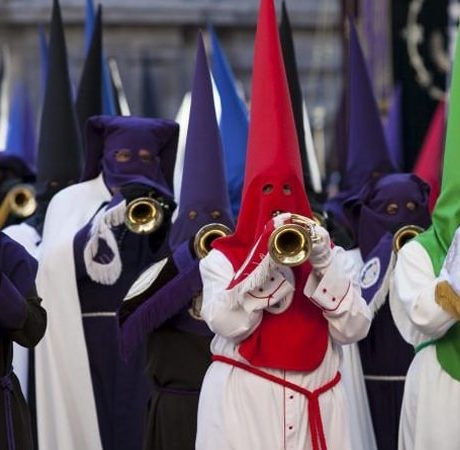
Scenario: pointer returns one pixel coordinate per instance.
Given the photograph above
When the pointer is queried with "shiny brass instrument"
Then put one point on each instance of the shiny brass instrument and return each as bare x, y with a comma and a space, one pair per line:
144, 215
291, 244
19, 201
404, 234
206, 235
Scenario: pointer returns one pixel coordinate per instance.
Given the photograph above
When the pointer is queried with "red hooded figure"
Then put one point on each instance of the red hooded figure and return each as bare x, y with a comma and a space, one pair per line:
274, 360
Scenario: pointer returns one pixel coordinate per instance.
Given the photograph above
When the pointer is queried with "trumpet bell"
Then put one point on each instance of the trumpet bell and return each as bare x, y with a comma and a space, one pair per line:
205, 237
405, 234
22, 201
144, 215
290, 244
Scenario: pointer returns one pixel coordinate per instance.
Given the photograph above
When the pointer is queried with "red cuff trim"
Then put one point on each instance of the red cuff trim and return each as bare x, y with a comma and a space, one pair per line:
334, 299
268, 295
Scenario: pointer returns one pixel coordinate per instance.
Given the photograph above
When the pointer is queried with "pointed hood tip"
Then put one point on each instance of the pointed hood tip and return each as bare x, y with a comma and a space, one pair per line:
365, 130
203, 186
273, 177
234, 121
58, 127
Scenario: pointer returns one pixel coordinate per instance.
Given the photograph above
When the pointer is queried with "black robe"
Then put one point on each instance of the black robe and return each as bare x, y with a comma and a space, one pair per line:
178, 345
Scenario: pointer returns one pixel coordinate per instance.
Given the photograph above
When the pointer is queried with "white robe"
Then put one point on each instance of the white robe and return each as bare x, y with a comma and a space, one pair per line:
28, 237
431, 403
66, 409
240, 411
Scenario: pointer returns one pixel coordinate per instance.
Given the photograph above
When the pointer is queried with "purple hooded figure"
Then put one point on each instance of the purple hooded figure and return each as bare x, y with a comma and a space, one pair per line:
87, 242
380, 210
22, 320
367, 153
376, 202
165, 302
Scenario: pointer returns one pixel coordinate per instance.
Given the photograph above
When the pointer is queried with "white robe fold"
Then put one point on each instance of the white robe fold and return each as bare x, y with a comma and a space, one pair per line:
431, 400
66, 409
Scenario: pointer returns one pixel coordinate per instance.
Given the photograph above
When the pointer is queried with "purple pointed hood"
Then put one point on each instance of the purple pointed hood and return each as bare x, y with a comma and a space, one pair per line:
367, 148
393, 131
204, 196
367, 154
131, 150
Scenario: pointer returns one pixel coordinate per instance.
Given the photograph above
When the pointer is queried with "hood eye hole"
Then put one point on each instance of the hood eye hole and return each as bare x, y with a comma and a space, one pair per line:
192, 215
392, 208
145, 155
267, 189
287, 190
123, 155
215, 214
411, 206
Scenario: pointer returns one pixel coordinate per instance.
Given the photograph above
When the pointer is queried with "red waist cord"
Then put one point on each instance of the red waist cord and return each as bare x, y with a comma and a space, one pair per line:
318, 439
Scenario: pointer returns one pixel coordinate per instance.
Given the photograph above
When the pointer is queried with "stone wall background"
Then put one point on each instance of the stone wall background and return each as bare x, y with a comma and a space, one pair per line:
164, 33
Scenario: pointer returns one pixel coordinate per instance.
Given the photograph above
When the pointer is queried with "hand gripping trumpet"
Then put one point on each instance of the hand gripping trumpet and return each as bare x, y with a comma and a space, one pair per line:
291, 244
206, 235
144, 215
404, 234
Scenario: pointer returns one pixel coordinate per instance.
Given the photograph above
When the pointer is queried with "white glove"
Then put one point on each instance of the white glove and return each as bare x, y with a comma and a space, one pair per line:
451, 268
321, 252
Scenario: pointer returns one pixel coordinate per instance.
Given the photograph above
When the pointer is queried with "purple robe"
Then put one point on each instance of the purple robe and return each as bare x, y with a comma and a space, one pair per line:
121, 389
22, 320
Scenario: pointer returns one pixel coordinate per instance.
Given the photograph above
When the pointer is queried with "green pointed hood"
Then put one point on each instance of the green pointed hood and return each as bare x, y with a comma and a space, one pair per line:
446, 217
446, 214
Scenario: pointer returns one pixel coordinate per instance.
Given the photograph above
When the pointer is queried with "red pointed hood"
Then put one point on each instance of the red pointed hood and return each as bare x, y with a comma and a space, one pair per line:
273, 177
428, 165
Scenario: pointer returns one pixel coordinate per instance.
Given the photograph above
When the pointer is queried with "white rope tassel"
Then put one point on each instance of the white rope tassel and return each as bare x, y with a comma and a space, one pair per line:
103, 222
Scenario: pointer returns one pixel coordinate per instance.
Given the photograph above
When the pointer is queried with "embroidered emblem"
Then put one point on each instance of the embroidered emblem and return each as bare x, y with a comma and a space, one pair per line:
370, 273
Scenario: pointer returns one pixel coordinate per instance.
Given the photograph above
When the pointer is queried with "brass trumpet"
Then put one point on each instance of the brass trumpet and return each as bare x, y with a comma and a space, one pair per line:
19, 201
405, 234
144, 215
291, 244
206, 235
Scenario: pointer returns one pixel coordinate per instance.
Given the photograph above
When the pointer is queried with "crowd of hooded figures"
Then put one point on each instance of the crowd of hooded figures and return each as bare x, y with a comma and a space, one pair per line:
164, 296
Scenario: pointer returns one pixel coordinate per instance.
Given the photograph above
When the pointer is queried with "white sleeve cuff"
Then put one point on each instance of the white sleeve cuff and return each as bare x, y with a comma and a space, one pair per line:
328, 291
274, 294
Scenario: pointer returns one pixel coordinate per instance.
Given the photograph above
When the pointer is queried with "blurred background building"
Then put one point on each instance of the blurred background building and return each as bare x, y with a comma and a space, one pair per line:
153, 43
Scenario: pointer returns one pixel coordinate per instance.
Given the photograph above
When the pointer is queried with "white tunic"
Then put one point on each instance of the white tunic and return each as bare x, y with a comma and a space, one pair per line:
241, 411
351, 369
431, 403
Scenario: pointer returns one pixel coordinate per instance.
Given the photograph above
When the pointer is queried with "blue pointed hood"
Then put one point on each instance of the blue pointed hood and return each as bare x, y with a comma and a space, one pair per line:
21, 136
234, 123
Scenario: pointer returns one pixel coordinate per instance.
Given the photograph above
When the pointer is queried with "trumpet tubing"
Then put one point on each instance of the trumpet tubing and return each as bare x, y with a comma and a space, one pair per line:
205, 237
405, 234
144, 215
